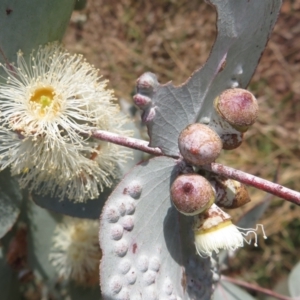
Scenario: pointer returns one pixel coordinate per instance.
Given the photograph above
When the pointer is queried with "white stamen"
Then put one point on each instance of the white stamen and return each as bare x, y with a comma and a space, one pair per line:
44, 106
247, 231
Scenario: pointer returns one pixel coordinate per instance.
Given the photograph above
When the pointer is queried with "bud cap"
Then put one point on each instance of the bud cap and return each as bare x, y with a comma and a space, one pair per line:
238, 107
192, 194
199, 145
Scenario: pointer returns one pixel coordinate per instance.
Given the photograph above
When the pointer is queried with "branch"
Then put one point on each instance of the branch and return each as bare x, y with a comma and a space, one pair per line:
262, 184
257, 182
255, 288
125, 141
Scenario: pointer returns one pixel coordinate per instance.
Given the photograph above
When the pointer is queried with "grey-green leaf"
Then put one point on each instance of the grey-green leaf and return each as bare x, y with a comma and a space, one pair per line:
10, 201
228, 291
41, 224
90, 209
243, 30
27, 24
294, 282
148, 247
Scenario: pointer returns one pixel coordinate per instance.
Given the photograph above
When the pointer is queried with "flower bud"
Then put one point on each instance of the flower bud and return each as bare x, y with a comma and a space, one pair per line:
230, 137
142, 101
146, 83
192, 194
230, 193
199, 145
238, 107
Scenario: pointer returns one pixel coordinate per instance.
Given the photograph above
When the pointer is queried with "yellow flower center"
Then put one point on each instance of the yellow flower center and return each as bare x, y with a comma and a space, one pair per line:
43, 96
44, 101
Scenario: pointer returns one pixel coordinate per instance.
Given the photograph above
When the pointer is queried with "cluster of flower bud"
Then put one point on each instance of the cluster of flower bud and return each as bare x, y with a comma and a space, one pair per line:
146, 86
195, 195
235, 110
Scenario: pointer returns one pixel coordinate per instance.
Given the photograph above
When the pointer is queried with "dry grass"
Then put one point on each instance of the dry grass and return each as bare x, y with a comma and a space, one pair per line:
171, 38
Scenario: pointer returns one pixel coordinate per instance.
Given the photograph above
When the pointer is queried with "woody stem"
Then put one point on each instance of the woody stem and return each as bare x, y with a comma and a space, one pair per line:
257, 182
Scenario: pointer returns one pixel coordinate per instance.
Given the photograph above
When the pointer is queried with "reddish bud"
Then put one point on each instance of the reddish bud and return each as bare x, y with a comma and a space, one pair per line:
146, 83
199, 145
141, 101
238, 107
192, 194
230, 193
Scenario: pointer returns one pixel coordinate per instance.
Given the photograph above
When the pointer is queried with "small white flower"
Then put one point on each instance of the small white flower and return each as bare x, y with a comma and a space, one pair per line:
214, 231
75, 252
45, 105
227, 238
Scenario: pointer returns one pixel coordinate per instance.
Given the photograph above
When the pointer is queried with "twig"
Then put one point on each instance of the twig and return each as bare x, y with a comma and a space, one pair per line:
125, 141
257, 182
255, 288
262, 184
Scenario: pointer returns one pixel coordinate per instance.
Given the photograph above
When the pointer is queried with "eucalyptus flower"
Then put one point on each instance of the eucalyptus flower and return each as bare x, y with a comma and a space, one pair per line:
46, 105
214, 231
75, 252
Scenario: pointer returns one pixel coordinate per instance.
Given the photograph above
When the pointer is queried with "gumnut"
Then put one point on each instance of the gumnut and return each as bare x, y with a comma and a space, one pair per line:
230, 193
192, 194
238, 107
199, 145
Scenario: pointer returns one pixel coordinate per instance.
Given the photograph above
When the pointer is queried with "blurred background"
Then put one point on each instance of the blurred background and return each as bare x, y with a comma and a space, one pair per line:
172, 38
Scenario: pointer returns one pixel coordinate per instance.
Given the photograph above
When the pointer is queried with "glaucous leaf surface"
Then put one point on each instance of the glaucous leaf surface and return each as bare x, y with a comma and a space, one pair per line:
294, 281
243, 31
228, 291
90, 209
41, 224
147, 246
27, 24
10, 201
